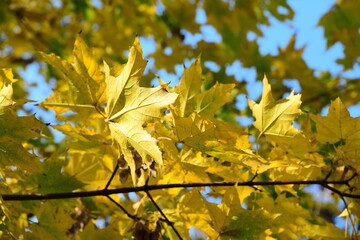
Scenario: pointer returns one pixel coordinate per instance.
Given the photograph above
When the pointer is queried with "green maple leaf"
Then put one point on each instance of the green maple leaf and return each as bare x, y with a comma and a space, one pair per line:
130, 107
54, 181
275, 118
14, 131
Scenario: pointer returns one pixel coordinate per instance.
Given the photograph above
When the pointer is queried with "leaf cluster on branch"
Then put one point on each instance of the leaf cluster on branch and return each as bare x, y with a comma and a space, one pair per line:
168, 145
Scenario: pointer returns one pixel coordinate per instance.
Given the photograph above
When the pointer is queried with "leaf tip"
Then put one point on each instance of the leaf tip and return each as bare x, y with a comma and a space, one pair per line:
265, 79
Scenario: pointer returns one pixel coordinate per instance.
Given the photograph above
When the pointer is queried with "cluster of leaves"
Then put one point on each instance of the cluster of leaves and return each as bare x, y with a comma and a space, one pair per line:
121, 135
124, 136
50, 26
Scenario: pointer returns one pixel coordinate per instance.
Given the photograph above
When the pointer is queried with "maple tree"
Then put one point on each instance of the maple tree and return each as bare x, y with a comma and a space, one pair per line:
154, 162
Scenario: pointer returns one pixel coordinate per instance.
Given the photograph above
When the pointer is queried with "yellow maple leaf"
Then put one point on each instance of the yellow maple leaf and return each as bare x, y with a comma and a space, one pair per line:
192, 99
337, 125
130, 107
204, 135
6, 90
275, 118
85, 79
188, 87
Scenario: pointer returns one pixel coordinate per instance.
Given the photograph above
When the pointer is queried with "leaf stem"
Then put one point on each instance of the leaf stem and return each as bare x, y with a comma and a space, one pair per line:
100, 112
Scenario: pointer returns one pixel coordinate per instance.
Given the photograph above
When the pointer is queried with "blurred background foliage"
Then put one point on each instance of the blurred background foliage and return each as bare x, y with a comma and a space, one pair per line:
174, 34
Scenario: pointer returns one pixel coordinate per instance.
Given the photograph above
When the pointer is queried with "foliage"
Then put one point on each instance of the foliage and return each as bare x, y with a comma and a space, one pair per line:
177, 147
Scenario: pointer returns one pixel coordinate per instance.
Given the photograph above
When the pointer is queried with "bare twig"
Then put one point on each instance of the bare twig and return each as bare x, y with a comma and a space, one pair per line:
134, 217
171, 224
351, 178
328, 175
112, 176
252, 180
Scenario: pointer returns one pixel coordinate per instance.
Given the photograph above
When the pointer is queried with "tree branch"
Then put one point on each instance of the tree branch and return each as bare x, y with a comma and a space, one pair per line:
112, 176
107, 192
171, 224
134, 217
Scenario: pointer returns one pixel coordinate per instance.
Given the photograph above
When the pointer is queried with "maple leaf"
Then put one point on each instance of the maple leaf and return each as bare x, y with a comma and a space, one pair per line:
14, 131
275, 118
188, 87
54, 181
53, 221
85, 80
130, 107
337, 125
230, 143
6, 90
191, 99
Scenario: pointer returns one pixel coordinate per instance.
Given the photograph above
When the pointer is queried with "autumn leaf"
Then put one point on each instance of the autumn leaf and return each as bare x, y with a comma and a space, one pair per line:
91, 169
208, 102
85, 80
130, 107
188, 87
6, 90
14, 131
57, 182
52, 221
216, 180
337, 125
126, 82
230, 143
192, 99
275, 118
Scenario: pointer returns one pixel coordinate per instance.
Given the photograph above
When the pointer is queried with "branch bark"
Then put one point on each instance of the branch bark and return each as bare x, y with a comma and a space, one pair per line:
106, 192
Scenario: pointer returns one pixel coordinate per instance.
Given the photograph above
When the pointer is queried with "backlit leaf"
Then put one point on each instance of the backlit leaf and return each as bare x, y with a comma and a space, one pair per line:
337, 125
6, 90
130, 107
275, 118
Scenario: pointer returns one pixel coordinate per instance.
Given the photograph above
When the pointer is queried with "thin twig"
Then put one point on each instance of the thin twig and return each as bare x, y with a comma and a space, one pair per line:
351, 178
112, 176
252, 180
134, 217
351, 219
329, 174
171, 224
